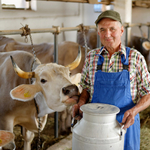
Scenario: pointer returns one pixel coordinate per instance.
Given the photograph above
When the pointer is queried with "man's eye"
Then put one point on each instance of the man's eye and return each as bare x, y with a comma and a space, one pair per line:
112, 29
101, 30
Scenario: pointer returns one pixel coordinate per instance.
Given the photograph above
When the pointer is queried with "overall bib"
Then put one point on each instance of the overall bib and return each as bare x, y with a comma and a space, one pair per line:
114, 89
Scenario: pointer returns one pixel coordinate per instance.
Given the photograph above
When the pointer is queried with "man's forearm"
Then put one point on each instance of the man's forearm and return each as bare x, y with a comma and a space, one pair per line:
142, 104
130, 114
84, 97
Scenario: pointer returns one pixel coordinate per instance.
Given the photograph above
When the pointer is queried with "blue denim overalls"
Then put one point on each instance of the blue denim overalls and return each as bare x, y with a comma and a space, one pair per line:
114, 88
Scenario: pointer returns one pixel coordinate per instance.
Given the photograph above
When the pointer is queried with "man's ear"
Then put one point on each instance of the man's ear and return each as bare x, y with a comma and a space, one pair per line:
122, 30
24, 92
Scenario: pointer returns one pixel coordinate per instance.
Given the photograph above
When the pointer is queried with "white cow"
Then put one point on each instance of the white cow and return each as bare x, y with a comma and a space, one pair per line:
51, 83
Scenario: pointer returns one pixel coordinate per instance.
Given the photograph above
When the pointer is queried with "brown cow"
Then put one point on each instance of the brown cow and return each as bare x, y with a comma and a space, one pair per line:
50, 81
140, 43
67, 51
91, 38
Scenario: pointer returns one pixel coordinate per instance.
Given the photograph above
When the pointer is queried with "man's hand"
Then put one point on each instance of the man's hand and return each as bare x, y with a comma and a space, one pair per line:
128, 118
76, 112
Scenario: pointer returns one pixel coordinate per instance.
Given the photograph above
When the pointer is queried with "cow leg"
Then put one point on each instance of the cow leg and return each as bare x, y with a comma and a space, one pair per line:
69, 119
65, 121
9, 146
28, 137
62, 125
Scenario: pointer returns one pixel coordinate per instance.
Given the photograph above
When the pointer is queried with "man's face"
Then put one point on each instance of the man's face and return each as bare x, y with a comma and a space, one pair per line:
110, 32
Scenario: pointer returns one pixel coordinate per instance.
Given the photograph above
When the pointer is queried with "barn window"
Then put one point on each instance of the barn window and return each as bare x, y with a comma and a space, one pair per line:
18, 4
97, 7
102, 7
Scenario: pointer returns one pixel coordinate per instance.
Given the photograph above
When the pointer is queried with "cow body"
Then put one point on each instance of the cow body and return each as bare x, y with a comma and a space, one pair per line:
67, 52
13, 112
90, 37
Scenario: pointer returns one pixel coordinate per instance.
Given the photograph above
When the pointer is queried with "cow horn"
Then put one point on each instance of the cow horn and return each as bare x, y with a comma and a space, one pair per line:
20, 73
76, 62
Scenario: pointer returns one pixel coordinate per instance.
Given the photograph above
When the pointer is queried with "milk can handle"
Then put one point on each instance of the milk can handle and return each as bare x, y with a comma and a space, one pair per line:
72, 124
121, 132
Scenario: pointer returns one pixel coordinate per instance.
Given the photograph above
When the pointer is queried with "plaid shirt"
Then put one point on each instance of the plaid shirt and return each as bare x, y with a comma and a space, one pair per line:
139, 75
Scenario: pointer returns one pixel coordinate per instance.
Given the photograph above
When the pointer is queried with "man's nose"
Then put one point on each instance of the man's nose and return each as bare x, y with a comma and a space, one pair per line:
107, 33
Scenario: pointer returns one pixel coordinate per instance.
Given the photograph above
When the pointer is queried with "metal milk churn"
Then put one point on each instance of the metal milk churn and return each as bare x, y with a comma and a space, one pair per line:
98, 129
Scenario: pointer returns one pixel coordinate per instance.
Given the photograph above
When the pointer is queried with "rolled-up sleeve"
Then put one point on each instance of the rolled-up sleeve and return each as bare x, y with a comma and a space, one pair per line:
139, 76
143, 77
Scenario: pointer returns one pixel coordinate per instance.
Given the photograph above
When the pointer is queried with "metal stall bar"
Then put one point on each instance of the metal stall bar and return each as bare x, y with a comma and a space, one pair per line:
126, 31
127, 25
148, 24
56, 61
52, 30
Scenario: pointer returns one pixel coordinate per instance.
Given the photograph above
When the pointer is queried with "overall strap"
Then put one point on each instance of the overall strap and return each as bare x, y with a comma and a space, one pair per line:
100, 61
124, 61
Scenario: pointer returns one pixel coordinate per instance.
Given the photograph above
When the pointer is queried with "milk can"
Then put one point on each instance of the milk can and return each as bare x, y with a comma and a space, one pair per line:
98, 129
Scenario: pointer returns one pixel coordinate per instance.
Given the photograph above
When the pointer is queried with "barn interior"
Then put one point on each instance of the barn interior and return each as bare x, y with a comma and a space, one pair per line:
56, 21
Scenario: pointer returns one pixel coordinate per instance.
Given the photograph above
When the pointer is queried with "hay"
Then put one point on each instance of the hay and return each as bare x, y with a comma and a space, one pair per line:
47, 135
145, 129
47, 138
145, 138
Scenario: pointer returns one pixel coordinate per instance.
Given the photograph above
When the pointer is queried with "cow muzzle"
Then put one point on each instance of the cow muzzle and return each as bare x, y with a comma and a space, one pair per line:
72, 94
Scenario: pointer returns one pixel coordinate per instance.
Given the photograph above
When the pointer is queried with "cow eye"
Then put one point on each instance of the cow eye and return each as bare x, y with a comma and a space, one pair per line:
43, 81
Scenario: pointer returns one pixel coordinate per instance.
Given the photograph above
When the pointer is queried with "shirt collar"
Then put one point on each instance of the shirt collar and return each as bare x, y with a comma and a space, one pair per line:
122, 50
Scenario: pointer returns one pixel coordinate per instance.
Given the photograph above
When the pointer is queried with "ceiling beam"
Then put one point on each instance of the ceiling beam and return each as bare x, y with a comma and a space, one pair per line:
77, 1
106, 2
145, 4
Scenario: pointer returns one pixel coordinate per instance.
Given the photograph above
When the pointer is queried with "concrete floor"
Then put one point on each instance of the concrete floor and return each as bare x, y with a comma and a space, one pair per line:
64, 144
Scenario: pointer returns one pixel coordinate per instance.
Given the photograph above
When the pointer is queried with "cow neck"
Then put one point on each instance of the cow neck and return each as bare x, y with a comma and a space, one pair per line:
31, 81
37, 110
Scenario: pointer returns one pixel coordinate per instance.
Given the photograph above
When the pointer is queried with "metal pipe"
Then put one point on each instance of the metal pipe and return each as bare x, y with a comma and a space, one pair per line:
98, 41
148, 30
56, 61
134, 24
126, 36
52, 30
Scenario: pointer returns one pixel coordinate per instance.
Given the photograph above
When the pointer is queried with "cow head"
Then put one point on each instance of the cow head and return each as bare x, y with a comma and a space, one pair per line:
52, 80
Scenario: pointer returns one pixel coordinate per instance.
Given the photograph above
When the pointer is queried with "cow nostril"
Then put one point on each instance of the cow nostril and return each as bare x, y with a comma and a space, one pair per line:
65, 91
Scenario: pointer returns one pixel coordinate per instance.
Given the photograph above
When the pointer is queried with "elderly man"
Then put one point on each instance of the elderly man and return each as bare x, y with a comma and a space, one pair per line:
116, 75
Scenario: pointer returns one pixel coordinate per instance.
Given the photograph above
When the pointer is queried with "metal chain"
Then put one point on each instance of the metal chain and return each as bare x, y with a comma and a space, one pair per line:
26, 31
83, 29
39, 134
141, 31
33, 51
85, 42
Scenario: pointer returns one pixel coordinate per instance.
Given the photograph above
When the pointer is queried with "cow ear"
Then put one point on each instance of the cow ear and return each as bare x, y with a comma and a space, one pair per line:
24, 92
75, 79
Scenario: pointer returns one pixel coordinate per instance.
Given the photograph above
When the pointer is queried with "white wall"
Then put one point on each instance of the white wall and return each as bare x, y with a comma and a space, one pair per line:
69, 14
140, 15
48, 14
